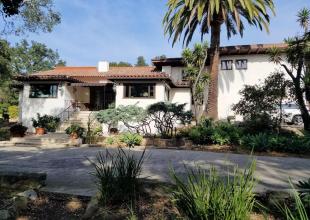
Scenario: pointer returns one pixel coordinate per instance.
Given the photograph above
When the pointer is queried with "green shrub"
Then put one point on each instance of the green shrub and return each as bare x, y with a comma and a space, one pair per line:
4, 134
201, 135
215, 133
258, 123
206, 196
131, 139
13, 111
259, 142
18, 130
50, 123
75, 128
225, 133
263, 142
117, 176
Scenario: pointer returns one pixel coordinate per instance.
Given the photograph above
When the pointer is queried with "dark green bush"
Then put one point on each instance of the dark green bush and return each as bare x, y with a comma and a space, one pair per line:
263, 142
225, 133
200, 134
258, 123
117, 176
259, 142
18, 130
4, 134
215, 133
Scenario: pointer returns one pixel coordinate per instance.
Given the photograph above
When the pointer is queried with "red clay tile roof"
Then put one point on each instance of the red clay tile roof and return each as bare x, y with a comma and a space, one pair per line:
135, 73
90, 74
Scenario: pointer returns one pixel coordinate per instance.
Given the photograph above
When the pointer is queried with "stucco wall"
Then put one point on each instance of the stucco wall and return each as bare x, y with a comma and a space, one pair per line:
50, 106
174, 72
181, 96
230, 82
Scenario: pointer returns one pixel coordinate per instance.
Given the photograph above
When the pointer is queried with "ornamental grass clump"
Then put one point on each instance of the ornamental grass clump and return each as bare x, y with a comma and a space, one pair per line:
206, 195
117, 176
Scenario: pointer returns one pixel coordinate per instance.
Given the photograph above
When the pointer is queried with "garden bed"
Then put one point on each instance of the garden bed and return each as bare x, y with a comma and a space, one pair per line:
152, 204
241, 150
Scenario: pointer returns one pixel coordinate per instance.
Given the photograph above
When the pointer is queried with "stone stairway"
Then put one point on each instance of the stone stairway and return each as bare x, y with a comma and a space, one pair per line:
81, 118
50, 140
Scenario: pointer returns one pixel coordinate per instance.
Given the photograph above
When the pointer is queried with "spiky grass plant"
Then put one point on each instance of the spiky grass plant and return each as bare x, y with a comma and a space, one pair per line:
299, 211
205, 195
117, 175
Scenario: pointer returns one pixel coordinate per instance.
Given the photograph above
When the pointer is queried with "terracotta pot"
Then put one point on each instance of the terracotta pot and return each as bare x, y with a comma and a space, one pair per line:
40, 131
74, 135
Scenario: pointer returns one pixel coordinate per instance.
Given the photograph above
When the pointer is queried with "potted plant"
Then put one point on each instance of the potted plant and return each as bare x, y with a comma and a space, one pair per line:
39, 124
18, 130
75, 131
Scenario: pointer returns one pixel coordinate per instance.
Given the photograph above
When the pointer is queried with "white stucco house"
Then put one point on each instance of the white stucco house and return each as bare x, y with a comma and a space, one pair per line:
56, 91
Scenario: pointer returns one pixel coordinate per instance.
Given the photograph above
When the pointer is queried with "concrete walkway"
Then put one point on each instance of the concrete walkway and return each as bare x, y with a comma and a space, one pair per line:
68, 169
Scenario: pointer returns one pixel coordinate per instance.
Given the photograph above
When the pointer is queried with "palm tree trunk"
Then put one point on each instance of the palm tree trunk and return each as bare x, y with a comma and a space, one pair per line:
212, 107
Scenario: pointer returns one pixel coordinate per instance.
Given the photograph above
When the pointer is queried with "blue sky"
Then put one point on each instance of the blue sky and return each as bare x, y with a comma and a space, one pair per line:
122, 30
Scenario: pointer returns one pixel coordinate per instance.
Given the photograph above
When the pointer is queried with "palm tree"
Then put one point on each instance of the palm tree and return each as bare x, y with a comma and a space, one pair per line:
303, 18
184, 17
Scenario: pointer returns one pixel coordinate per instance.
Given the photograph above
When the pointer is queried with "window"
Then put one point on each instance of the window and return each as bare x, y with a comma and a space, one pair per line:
139, 90
226, 64
184, 75
43, 91
241, 64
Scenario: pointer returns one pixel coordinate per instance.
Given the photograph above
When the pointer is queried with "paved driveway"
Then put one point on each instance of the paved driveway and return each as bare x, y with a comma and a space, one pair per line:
68, 170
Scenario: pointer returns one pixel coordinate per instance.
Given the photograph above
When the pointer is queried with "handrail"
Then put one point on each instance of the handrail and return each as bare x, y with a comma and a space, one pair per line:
67, 112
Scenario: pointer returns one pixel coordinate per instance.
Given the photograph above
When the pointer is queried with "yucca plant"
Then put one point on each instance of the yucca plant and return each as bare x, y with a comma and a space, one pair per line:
205, 195
117, 175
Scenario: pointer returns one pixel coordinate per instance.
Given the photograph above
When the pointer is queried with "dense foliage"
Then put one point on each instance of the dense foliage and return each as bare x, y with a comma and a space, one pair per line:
29, 57
225, 133
262, 103
208, 132
20, 16
207, 195
166, 115
48, 122
263, 142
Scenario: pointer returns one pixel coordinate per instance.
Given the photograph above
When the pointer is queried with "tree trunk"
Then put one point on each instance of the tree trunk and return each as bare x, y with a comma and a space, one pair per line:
302, 106
212, 107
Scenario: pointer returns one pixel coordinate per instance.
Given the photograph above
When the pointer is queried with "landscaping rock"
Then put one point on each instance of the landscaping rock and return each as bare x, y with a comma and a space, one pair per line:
20, 203
92, 208
4, 214
29, 194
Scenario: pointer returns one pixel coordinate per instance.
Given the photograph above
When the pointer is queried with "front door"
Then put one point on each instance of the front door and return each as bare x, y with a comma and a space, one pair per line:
101, 97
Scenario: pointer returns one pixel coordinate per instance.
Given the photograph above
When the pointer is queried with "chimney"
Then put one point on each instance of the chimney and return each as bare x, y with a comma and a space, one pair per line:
103, 66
